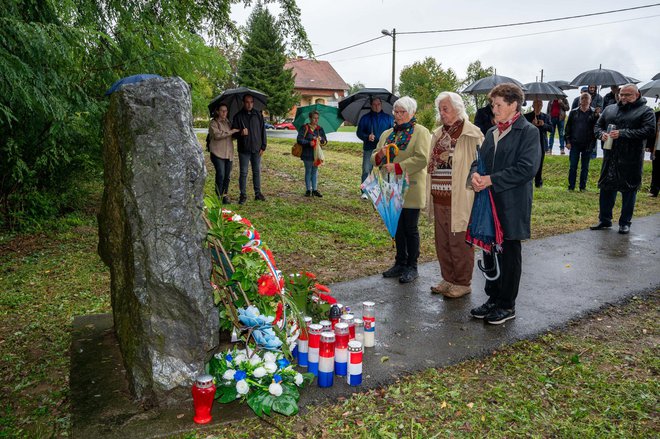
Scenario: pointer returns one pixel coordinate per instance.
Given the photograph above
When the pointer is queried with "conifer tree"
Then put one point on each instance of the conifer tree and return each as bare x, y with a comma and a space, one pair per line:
262, 63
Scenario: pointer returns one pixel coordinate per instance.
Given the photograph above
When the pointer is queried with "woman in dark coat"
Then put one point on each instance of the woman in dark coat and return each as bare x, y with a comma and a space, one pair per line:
512, 154
311, 136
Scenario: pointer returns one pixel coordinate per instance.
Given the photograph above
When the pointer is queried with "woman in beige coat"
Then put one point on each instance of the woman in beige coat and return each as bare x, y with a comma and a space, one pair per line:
453, 149
413, 142
222, 151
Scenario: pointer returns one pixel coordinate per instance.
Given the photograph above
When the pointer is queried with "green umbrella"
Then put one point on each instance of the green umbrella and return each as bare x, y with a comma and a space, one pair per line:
329, 118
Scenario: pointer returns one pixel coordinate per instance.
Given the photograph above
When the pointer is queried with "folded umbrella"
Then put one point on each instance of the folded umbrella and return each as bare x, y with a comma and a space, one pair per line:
484, 229
353, 107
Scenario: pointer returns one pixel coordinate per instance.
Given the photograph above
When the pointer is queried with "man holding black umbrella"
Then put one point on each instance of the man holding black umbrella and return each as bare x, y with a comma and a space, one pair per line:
251, 145
369, 129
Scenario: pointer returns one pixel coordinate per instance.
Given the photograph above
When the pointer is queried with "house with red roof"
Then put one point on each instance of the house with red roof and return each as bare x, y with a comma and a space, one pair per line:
317, 82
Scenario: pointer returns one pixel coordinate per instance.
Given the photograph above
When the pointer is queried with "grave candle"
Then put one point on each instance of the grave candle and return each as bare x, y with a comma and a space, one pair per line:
303, 342
334, 314
326, 359
359, 330
341, 348
313, 348
369, 318
203, 392
354, 376
327, 325
349, 319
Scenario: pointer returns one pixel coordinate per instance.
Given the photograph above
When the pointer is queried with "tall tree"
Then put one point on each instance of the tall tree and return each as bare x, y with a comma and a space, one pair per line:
262, 63
355, 87
474, 72
58, 58
424, 80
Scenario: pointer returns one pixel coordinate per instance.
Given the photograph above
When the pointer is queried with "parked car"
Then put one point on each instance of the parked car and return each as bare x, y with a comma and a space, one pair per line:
287, 124
269, 126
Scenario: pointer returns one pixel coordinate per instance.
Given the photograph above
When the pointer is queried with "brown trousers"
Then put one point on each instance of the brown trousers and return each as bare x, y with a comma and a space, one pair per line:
456, 256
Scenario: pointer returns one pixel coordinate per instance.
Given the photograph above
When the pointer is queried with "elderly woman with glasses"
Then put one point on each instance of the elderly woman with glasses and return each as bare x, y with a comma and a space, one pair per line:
512, 154
453, 149
412, 141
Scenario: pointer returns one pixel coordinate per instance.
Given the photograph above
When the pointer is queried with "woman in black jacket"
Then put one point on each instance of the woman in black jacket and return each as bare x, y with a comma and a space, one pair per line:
512, 153
311, 136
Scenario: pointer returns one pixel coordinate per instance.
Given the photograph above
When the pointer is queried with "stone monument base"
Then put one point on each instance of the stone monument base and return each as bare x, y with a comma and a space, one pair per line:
101, 405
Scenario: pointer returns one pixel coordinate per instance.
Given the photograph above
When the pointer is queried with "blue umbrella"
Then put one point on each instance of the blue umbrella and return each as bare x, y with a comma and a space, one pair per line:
484, 229
130, 80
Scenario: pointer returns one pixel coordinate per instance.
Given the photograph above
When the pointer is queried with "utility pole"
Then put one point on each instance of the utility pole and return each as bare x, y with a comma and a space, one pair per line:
393, 35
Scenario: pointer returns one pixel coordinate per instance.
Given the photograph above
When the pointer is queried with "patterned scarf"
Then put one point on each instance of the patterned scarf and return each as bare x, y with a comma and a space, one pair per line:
401, 134
502, 126
446, 142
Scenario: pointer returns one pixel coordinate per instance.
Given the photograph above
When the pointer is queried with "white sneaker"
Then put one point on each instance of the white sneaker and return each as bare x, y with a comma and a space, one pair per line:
364, 196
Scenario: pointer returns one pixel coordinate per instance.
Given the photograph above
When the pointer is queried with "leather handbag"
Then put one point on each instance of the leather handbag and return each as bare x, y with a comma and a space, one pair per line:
296, 149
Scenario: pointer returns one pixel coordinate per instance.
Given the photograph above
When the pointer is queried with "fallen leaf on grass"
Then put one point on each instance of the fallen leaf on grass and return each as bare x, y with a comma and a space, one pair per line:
359, 423
443, 405
384, 359
470, 405
180, 415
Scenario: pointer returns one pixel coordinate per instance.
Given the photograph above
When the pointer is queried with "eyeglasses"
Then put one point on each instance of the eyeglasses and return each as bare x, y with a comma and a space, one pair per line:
400, 111
627, 94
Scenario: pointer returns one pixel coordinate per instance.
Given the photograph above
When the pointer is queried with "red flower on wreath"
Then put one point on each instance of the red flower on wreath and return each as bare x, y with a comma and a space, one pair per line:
268, 286
246, 222
310, 275
321, 287
278, 313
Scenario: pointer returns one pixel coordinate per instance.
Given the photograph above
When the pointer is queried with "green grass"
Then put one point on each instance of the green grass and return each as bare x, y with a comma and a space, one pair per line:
532, 388
347, 129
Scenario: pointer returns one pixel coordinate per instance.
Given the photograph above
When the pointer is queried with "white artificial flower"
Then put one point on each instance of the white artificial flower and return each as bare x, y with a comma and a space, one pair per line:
298, 379
259, 372
228, 375
240, 352
242, 387
255, 360
240, 358
269, 357
275, 389
236, 217
219, 355
270, 367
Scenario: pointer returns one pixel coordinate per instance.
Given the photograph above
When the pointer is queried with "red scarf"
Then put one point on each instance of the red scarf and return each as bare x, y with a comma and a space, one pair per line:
502, 126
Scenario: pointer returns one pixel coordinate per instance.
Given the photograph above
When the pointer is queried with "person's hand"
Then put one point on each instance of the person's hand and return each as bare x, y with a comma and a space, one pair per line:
234, 130
389, 167
372, 137
261, 152
614, 134
598, 110
244, 132
539, 123
604, 137
480, 182
568, 146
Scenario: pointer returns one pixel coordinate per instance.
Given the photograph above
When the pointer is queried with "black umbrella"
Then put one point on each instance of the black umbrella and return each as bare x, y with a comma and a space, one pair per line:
652, 89
485, 85
543, 91
562, 85
233, 98
353, 107
600, 76
657, 76
632, 80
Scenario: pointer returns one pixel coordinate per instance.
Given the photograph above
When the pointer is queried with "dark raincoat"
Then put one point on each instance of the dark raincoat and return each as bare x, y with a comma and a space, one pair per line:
622, 165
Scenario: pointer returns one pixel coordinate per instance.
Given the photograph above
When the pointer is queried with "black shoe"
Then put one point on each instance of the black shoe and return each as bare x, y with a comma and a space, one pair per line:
317, 194
624, 230
226, 199
497, 316
394, 271
409, 275
481, 311
653, 194
583, 189
571, 189
260, 197
539, 185
601, 226
242, 199
308, 193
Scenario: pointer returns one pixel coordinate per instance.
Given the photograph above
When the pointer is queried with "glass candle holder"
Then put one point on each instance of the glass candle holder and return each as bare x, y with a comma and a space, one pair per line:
203, 392
369, 318
326, 359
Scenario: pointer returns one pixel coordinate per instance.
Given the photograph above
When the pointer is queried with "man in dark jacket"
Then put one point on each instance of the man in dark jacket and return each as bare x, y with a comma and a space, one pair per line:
251, 145
612, 97
512, 153
596, 99
622, 164
370, 127
580, 140
653, 146
557, 109
484, 118
542, 122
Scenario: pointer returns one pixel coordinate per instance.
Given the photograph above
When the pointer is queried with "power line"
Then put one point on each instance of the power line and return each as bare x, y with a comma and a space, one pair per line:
495, 26
497, 38
350, 47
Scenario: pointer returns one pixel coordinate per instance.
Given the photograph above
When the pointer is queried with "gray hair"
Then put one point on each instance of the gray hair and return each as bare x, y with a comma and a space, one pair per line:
406, 103
456, 102
629, 86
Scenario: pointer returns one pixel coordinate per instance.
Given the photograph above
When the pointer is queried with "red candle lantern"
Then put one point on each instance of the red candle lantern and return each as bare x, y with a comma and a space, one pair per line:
203, 392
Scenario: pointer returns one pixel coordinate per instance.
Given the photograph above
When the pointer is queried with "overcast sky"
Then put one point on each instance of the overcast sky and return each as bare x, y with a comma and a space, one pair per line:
623, 41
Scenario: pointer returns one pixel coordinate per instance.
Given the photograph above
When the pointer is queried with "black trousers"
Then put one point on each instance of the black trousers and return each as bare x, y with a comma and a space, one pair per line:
655, 174
504, 290
407, 238
538, 178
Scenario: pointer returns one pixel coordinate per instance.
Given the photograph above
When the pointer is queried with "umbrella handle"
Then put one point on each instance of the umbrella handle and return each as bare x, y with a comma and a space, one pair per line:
484, 270
391, 147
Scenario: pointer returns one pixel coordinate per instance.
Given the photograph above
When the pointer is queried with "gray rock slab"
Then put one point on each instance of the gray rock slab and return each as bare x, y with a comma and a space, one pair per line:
564, 278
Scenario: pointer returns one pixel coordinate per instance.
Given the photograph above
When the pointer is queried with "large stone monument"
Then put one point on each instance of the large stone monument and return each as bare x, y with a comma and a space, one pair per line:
151, 236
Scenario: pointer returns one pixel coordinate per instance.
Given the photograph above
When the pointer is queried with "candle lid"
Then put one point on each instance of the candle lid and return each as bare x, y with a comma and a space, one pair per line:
341, 328
325, 322
358, 322
349, 317
315, 328
369, 304
328, 336
307, 319
354, 346
204, 381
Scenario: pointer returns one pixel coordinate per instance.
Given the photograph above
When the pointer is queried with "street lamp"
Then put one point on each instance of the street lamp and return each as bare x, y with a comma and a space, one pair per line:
393, 35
